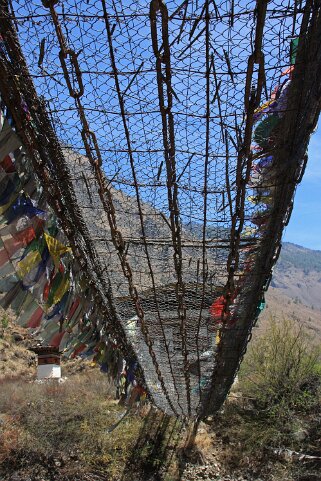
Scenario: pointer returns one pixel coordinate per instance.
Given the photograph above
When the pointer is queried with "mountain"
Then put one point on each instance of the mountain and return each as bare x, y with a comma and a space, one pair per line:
298, 275
295, 290
293, 255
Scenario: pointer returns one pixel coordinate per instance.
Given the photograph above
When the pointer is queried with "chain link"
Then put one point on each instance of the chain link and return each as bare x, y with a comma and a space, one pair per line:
164, 79
63, 55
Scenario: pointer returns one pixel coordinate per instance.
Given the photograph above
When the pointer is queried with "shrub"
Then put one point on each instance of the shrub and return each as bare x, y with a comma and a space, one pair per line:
4, 322
276, 405
281, 369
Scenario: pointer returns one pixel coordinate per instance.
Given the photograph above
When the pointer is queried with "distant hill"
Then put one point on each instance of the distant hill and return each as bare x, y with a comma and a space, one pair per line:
298, 275
293, 255
295, 290
279, 306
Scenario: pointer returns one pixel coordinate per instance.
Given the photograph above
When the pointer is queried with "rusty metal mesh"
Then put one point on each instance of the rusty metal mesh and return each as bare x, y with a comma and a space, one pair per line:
153, 105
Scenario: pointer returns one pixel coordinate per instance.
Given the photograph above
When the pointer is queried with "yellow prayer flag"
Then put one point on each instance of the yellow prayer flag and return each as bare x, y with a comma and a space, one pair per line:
6, 206
25, 265
263, 106
264, 199
253, 199
62, 289
248, 231
56, 248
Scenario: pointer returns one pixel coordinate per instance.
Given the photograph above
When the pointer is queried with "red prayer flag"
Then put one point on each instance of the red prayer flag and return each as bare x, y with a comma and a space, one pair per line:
35, 319
56, 340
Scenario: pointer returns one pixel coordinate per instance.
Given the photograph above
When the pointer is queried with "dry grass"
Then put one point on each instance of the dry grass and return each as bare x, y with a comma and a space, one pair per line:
65, 432
69, 428
75, 431
15, 359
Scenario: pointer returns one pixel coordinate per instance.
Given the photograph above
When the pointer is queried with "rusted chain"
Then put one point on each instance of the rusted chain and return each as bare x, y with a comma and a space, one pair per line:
245, 156
164, 79
135, 182
94, 156
206, 166
58, 189
297, 135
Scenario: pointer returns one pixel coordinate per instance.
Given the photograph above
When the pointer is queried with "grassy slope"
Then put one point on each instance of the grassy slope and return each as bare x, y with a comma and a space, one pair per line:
64, 432
15, 358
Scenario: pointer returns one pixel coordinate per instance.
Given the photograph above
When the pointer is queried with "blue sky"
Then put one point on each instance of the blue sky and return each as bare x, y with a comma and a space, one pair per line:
305, 225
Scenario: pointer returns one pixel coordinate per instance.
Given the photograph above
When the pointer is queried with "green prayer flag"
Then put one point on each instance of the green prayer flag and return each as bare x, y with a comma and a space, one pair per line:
294, 50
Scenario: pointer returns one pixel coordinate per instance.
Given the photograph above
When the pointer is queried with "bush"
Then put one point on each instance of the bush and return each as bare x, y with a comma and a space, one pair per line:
4, 322
281, 369
276, 405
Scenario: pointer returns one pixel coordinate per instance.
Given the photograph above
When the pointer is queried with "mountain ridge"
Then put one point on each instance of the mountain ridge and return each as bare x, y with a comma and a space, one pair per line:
299, 257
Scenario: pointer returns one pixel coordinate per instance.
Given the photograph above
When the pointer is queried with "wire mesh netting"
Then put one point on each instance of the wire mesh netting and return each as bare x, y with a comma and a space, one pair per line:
183, 127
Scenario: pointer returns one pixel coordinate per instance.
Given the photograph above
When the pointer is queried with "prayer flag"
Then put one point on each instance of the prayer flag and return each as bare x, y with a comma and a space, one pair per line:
56, 249
28, 263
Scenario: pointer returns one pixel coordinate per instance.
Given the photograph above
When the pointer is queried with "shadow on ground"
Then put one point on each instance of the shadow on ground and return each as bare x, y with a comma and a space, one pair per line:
154, 456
